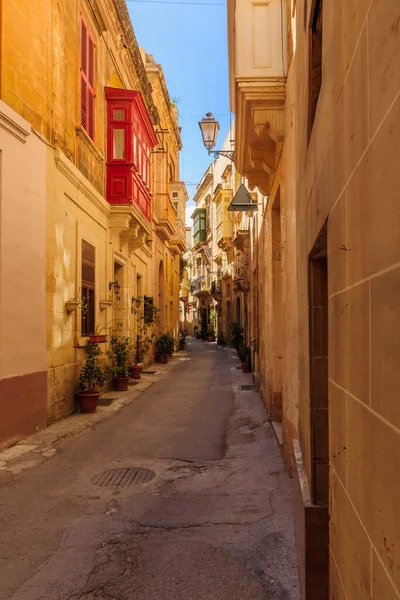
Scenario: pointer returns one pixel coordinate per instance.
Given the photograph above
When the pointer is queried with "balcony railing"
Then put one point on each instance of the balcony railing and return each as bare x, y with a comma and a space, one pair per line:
241, 272
196, 285
216, 288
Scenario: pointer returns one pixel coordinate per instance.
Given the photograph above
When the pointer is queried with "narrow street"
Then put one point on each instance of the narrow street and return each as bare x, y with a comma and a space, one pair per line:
214, 522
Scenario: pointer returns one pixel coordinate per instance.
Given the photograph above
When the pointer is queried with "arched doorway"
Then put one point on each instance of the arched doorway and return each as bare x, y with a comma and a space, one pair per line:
161, 294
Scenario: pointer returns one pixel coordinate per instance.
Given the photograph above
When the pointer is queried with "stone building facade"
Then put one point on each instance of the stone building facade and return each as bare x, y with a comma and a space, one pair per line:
94, 116
315, 89
221, 255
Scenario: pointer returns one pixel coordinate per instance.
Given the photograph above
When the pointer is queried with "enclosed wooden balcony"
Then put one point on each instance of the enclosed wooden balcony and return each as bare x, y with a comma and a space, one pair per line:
199, 227
224, 219
164, 217
257, 86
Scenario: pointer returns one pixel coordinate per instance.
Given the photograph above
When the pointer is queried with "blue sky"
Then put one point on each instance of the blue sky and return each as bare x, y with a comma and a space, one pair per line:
190, 42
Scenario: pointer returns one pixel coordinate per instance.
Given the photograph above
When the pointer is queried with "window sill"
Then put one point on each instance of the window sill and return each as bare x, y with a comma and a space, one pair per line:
81, 342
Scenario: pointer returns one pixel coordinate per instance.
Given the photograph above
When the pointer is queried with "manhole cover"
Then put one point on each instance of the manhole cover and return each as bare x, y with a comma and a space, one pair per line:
106, 401
149, 372
247, 388
123, 477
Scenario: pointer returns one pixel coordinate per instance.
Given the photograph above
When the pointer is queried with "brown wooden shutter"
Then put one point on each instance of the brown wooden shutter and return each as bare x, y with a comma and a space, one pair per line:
87, 81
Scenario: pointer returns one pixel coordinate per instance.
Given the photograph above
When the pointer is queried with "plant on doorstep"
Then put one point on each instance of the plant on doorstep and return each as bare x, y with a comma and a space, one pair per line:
237, 336
182, 340
165, 345
119, 354
245, 357
210, 334
147, 316
221, 339
91, 380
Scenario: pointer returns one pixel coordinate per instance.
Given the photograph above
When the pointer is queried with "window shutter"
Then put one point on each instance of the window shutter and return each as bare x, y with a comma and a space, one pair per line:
84, 107
87, 81
90, 71
90, 128
84, 36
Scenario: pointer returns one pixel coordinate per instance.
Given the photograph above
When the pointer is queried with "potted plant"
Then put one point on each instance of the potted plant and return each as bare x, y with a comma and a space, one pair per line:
210, 334
92, 378
139, 350
72, 304
147, 316
237, 336
245, 357
97, 337
119, 353
182, 340
221, 339
164, 347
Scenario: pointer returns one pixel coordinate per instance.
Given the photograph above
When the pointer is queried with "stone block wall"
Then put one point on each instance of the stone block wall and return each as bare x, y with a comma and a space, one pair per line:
351, 182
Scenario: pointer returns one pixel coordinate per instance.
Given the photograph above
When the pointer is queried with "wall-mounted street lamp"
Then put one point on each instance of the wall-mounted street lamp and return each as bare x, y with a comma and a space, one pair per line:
116, 286
209, 130
243, 202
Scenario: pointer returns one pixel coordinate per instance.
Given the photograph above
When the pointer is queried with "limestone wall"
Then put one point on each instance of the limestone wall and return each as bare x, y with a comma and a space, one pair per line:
22, 278
348, 175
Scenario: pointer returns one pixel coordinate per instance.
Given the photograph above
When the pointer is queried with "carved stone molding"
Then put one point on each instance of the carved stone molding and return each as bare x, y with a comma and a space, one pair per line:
129, 229
270, 122
13, 123
119, 224
260, 129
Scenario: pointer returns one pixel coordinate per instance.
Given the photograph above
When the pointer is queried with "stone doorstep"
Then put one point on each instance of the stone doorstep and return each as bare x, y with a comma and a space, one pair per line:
277, 427
74, 424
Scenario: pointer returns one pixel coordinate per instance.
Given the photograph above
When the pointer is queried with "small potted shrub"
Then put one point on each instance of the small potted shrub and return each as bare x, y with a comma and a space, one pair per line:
245, 357
140, 347
165, 345
182, 340
210, 334
162, 348
237, 339
221, 339
92, 378
119, 353
171, 345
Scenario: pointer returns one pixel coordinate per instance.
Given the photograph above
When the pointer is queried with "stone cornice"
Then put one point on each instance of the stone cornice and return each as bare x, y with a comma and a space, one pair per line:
13, 123
203, 184
127, 29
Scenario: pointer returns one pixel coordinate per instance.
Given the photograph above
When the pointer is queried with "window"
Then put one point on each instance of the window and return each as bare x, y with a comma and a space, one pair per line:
88, 288
119, 144
315, 62
130, 136
87, 80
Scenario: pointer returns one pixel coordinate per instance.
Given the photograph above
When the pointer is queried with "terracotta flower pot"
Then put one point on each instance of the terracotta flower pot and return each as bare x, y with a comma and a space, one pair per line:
135, 371
121, 384
210, 338
88, 402
246, 367
97, 339
162, 358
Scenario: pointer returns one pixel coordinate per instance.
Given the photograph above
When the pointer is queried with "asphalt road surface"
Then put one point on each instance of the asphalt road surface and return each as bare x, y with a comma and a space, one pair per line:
209, 519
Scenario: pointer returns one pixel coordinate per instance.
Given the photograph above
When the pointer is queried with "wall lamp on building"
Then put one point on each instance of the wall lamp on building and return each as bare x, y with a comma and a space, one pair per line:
243, 202
116, 286
209, 130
